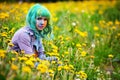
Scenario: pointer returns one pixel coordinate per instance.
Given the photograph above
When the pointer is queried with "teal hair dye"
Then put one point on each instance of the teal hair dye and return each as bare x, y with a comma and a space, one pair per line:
35, 11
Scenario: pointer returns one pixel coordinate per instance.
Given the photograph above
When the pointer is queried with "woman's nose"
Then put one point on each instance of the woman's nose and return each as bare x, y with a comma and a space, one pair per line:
41, 22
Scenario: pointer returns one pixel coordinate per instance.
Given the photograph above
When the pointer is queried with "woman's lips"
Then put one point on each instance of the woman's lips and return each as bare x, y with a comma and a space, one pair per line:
40, 26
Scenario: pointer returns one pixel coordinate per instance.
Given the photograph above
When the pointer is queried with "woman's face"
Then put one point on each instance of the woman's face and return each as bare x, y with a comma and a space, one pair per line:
41, 23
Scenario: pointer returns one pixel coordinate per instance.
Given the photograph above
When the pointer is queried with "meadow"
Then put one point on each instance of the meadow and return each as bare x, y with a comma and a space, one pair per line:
86, 42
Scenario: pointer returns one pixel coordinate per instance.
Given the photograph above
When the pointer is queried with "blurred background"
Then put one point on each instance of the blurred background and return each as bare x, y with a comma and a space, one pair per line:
46, 0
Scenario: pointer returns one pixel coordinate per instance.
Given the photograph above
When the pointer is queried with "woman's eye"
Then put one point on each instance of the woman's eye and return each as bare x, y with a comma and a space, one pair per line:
45, 19
39, 18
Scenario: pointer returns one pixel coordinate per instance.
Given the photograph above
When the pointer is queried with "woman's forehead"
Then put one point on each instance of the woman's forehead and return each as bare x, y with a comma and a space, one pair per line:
42, 17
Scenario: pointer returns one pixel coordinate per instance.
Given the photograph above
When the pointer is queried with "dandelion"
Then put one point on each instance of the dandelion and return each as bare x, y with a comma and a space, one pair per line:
14, 67
82, 74
67, 38
45, 62
26, 69
113, 28
62, 42
11, 31
42, 68
53, 62
92, 57
60, 62
66, 67
30, 63
118, 34
4, 34
8, 41
11, 44
110, 56
2, 53
55, 50
60, 68
54, 47
110, 23
96, 28
33, 59
97, 35
83, 44
4, 15
78, 45
5, 28
66, 52
13, 59
51, 73
55, 19
60, 37
83, 53
117, 22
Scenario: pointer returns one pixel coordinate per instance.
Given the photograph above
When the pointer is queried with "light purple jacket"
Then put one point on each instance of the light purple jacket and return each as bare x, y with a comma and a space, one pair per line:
24, 39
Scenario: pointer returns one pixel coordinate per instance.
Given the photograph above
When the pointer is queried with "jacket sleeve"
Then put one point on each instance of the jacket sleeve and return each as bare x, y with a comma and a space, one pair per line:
24, 43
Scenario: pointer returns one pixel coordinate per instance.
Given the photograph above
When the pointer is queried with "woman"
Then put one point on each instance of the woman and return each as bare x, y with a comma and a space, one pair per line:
29, 38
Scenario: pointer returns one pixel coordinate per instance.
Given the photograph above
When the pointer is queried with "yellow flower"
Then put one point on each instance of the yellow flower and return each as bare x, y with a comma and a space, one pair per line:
66, 67
96, 28
5, 28
62, 42
26, 69
30, 63
13, 59
83, 53
113, 27
4, 34
32, 59
53, 62
100, 12
14, 67
60, 62
55, 19
11, 31
51, 75
4, 15
54, 47
42, 68
83, 44
67, 38
11, 44
78, 45
45, 62
110, 23
83, 34
92, 57
117, 22
82, 74
60, 37
55, 50
2, 53
50, 71
97, 35
60, 68
118, 34
110, 56
71, 66
66, 52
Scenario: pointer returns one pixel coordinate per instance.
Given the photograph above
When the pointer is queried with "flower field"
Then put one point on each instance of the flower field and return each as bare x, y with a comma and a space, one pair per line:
86, 42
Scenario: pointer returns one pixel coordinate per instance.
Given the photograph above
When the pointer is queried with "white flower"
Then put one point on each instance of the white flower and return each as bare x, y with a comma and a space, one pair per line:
73, 24
93, 45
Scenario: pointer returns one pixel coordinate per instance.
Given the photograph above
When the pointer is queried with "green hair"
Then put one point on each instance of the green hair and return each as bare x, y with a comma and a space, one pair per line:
35, 11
